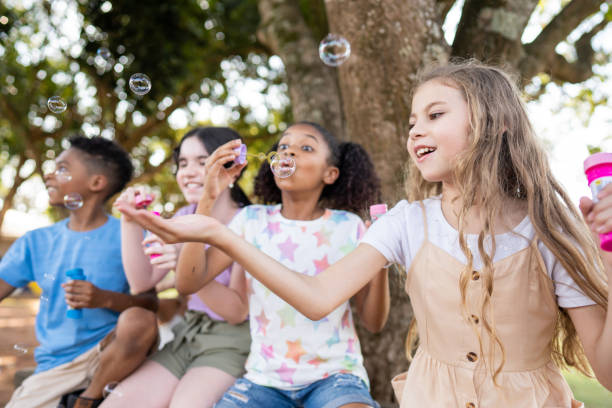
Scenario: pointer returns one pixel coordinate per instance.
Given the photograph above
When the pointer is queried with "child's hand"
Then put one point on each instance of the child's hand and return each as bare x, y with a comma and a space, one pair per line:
166, 254
219, 177
188, 228
81, 294
131, 196
598, 215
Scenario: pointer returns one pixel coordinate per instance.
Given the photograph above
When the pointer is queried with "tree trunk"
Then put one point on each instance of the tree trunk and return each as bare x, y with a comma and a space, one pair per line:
313, 87
390, 41
7, 201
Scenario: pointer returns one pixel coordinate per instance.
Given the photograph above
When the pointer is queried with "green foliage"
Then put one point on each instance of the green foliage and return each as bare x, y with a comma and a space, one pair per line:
588, 390
195, 52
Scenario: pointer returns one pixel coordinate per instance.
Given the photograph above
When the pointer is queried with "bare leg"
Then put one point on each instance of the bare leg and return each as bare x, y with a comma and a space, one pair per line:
151, 386
135, 334
190, 387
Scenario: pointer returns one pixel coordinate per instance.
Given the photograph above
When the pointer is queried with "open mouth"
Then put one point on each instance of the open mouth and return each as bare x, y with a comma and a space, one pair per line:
424, 151
193, 185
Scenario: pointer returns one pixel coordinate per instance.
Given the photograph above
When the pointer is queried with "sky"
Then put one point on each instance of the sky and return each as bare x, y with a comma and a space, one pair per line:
565, 130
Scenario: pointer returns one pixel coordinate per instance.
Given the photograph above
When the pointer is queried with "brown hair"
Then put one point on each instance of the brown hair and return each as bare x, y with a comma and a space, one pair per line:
503, 162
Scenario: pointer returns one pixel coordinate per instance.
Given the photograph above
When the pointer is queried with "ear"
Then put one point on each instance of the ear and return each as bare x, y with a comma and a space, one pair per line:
97, 183
331, 175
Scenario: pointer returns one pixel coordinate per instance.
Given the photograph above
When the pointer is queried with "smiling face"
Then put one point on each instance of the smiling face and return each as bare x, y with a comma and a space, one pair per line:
70, 176
311, 153
439, 129
191, 172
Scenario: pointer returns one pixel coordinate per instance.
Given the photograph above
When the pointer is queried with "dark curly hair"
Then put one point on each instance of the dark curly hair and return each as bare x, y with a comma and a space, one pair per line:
211, 138
106, 157
356, 188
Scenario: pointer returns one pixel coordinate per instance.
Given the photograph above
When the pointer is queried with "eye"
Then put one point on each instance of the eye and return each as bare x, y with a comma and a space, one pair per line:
182, 164
307, 148
435, 115
410, 126
283, 146
61, 170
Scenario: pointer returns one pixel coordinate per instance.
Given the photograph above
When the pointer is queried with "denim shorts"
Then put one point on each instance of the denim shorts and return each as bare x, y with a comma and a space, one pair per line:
331, 392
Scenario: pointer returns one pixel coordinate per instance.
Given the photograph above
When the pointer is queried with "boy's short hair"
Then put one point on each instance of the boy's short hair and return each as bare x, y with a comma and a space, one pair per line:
106, 157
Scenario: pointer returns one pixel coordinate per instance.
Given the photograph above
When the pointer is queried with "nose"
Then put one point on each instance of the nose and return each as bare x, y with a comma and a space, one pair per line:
415, 131
191, 169
288, 152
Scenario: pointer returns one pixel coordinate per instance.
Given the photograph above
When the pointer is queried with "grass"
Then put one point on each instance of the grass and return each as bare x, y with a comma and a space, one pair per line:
588, 390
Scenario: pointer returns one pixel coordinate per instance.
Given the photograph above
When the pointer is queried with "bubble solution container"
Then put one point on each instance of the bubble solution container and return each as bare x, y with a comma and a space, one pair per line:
143, 200
377, 210
75, 274
598, 169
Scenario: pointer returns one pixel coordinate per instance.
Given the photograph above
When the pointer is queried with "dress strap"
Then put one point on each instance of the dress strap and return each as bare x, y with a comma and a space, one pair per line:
425, 229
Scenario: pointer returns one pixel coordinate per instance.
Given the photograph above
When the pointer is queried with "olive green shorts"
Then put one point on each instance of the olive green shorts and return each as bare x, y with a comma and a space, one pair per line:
200, 341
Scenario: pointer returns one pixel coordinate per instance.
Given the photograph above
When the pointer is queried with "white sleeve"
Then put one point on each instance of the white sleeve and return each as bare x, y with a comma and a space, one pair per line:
389, 234
567, 291
238, 222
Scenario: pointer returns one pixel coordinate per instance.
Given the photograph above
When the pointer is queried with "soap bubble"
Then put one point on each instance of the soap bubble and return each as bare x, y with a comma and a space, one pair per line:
73, 201
21, 348
140, 84
110, 388
334, 50
104, 53
49, 275
282, 166
56, 104
62, 175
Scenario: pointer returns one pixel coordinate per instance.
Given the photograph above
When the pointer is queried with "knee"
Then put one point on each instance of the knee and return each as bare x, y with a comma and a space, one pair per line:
137, 327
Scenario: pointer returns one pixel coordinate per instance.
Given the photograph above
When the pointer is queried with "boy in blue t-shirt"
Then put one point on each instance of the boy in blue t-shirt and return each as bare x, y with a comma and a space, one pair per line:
101, 346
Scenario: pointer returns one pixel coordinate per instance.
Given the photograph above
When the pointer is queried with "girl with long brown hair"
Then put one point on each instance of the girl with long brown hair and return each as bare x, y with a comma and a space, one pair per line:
505, 279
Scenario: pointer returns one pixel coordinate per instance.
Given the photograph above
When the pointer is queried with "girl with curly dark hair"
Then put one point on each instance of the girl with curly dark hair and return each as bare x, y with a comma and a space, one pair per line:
293, 359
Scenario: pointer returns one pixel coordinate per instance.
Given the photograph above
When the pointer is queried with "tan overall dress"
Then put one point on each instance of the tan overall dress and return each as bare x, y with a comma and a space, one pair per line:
448, 369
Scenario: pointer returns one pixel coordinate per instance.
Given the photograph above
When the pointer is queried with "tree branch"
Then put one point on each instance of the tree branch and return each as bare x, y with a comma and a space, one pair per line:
491, 30
560, 27
443, 7
582, 69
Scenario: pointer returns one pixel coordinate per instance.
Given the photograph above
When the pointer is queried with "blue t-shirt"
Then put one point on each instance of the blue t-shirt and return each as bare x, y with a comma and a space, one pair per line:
44, 255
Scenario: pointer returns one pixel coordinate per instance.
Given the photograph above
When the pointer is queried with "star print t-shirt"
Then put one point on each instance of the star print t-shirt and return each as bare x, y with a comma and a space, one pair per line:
288, 350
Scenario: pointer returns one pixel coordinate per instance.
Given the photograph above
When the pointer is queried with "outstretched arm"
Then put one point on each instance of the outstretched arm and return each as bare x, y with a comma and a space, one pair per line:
594, 323
315, 297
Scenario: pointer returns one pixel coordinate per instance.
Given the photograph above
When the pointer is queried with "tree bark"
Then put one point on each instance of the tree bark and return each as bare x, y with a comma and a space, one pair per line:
390, 42
313, 87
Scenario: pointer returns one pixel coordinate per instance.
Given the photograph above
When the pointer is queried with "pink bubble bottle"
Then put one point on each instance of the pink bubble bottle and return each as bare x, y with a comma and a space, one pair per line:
377, 210
598, 169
